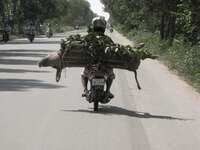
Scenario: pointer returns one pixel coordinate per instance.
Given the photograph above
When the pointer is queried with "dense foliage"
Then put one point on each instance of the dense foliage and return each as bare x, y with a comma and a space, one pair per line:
66, 12
180, 56
170, 17
170, 28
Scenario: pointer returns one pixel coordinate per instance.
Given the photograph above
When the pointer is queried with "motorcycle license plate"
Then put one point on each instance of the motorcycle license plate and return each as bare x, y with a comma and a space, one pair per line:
98, 82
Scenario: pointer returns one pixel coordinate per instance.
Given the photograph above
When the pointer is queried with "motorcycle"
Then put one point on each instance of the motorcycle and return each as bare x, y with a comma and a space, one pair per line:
111, 30
29, 31
76, 27
31, 36
6, 33
97, 94
6, 36
96, 75
97, 79
49, 33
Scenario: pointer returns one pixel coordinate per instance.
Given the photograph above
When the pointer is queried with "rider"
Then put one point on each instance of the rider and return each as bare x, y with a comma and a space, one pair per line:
6, 31
49, 30
98, 29
30, 29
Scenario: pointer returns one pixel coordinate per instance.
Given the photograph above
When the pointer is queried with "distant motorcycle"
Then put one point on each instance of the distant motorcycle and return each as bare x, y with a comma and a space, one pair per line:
31, 36
49, 33
111, 30
6, 33
76, 27
6, 36
30, 32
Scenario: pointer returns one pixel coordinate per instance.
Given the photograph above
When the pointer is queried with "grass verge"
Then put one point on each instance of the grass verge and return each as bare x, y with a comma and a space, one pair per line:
179, 57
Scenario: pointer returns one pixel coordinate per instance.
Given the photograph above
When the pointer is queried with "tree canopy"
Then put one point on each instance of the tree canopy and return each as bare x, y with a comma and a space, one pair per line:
170, 17
66, 12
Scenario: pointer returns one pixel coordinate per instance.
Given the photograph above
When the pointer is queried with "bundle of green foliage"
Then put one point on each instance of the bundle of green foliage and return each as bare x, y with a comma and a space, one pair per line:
95, 48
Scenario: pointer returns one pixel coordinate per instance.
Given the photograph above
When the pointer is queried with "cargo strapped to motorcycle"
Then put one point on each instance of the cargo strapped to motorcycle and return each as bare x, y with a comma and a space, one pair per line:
61, 66
78, 51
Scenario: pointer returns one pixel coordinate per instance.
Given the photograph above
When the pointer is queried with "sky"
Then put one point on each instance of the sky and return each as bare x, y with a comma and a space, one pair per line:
98, 8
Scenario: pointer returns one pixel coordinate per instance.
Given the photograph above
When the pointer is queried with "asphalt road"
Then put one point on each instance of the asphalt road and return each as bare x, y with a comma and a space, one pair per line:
36, 113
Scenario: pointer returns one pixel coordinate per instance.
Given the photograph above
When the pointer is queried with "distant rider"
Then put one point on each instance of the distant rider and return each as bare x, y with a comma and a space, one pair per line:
49, 31
6, 32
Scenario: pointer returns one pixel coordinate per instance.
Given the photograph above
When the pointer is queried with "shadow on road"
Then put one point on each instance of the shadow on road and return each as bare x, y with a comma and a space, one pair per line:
114, 110
28, 54
18, 62
24, 53
21, 71
34, 42
24, 84
5, 54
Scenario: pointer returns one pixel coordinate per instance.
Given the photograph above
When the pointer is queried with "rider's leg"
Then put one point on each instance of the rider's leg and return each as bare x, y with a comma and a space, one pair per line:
84, 80
109, 82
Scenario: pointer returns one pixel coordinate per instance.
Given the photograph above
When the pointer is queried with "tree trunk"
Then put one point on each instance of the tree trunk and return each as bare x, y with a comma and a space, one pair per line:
168, 20
163, 19
162, 27
195, 22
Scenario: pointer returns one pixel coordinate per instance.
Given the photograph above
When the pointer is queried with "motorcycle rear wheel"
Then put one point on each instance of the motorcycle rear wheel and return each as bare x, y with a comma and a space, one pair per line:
96, 106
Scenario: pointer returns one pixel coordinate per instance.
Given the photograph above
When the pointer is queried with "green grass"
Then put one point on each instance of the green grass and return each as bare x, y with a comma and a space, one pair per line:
180, 56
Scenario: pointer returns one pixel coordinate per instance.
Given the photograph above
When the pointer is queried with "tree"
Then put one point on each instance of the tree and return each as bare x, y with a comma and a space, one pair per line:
169, 17
65, 12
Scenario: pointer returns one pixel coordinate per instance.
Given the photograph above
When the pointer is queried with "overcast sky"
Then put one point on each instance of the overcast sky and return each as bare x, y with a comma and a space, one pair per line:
98, 8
